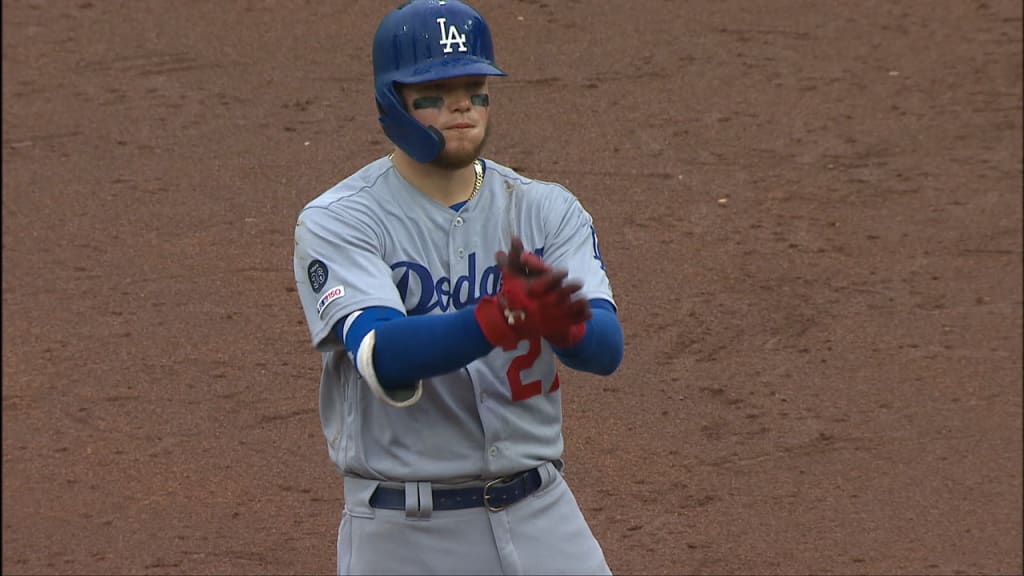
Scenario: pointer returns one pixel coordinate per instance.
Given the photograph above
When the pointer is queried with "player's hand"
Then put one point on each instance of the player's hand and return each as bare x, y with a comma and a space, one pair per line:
549, 309
562, 317
527, 265
510, 315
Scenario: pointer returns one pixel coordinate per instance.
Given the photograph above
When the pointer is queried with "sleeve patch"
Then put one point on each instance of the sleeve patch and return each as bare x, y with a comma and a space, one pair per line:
317, 271
330, 296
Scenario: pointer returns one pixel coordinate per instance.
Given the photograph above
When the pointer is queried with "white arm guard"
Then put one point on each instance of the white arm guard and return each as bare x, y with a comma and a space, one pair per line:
398, 397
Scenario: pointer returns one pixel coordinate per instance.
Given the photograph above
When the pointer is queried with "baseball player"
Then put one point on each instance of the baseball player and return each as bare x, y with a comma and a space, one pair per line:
443, 291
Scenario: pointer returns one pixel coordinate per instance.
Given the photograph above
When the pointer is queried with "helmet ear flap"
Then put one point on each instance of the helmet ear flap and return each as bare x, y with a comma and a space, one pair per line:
422, 143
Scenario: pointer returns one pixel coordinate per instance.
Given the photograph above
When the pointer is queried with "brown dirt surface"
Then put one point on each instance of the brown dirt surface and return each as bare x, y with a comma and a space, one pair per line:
810, 210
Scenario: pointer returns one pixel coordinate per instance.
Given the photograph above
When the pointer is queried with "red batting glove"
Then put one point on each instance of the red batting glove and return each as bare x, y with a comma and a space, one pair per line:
562, 318
534, 299
509, 316
518, 262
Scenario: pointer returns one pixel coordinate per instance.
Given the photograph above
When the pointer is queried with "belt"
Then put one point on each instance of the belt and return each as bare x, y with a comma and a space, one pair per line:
496, 495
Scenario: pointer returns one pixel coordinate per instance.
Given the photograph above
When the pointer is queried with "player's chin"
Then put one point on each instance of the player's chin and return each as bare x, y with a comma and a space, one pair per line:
459, 154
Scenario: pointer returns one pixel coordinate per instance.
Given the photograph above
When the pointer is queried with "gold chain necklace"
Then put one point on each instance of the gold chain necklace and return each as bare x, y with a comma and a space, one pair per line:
478, 167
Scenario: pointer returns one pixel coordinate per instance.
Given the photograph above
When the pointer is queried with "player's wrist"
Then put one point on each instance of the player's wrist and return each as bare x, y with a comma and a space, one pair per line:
502, 325
492, 321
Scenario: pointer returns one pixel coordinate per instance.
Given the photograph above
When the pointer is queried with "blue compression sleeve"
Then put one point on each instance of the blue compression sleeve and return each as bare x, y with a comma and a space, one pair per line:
428, 345
436, 344
367, 320
602, 348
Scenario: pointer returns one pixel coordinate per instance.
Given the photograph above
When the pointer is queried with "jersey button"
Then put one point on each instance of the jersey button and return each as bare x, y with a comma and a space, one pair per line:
493, 451
458, 221
460, 252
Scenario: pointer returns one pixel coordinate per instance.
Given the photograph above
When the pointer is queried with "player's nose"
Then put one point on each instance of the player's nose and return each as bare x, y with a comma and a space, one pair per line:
459, 101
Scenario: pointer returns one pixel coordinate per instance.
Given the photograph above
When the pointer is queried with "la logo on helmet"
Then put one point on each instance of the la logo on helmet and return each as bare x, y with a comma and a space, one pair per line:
451, 36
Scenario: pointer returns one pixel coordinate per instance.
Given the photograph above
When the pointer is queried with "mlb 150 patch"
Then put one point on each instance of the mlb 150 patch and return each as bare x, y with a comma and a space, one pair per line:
328, 297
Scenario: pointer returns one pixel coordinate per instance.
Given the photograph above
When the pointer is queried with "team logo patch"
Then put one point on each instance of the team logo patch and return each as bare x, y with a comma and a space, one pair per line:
317, 271
330, 296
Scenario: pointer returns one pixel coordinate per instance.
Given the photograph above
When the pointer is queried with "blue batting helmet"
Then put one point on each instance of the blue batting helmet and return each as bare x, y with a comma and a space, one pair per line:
421, 41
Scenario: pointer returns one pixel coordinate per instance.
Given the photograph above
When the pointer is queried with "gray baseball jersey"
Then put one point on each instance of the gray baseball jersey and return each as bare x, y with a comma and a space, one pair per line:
373, 240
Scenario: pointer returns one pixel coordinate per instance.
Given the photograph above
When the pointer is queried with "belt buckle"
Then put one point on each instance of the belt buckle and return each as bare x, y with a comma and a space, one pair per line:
487, 487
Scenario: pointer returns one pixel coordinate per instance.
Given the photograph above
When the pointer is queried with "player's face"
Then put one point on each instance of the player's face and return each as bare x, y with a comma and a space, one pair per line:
458, 107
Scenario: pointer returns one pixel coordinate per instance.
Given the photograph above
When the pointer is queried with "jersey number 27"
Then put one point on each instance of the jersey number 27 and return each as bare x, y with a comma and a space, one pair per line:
524, 390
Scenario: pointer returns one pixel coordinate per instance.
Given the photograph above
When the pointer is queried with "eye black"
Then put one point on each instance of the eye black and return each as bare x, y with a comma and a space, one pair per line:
425, 102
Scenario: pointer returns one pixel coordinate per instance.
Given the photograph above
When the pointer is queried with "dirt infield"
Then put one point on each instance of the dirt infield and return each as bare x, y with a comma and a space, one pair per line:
811, 212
